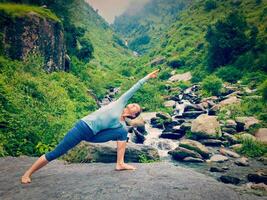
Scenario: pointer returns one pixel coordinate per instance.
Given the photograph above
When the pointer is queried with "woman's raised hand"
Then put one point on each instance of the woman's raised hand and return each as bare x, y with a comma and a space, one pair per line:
153, 74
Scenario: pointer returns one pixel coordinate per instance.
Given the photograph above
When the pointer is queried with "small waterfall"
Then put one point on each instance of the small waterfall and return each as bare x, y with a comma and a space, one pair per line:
152, 138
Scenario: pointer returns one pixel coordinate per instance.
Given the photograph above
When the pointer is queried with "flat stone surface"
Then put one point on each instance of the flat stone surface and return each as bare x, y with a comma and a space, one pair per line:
160, 180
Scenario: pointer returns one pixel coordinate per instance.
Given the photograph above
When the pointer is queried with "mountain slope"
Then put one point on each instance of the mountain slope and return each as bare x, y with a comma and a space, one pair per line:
185, 40
143, 28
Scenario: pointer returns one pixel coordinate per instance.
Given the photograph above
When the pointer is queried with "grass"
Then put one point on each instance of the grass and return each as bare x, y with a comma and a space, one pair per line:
18, 10
252, 148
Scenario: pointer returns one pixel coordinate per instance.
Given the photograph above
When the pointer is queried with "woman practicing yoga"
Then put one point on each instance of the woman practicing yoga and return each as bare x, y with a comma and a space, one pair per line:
105, 124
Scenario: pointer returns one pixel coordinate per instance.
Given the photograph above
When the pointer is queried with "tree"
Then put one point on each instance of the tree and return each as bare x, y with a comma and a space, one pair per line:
228, 39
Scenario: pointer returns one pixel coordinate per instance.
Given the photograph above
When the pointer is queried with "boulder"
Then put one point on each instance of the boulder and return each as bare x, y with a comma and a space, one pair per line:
181, 77
194, 160
243, 161
229, 130
258, 186
211, 142
244, 123
232, 139
171, 135
179, 153
107, 152
229, 179
195, 146
216, 169
261, 135
258, 177
205, 126
218, 158
163, 115
227, 152
225, 102
192, 114
230, 123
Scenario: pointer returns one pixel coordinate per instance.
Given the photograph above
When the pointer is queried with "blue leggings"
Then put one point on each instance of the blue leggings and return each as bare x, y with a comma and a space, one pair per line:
81, 131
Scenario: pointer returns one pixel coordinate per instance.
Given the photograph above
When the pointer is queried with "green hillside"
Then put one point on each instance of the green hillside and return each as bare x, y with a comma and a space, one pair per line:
185, 43
144, 28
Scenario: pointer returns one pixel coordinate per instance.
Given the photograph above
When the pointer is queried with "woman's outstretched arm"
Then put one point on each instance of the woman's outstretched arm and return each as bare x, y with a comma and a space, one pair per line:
129, 93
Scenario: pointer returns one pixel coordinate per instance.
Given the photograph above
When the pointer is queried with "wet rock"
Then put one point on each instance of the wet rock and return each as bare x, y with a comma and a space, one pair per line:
259, 177
185, 126
195, 146
228, 152
258, 186
216, 169
140, 137
164, 145
243, 161
202, 129
169, 124
229, 179
164, 116
229, 130
261, 135
211, 142
193, 114
230, 138
230, 124
218, 158
179, 153
263, 160
171, 135
243, 123
236, 146
228, 101
156, 122
194, 160
107, 152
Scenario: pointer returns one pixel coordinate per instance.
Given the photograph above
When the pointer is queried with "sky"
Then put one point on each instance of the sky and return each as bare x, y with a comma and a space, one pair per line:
108, 9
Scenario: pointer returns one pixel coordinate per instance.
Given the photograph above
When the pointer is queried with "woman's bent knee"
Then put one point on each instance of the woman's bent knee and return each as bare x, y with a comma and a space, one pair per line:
123, 135
49, 157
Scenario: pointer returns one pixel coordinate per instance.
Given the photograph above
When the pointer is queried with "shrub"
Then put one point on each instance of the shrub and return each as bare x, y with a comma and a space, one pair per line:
253, 79
229, 73
198, 75
252, 148
86, 52
263, 89
211, 85
210, 5
176, 62
164, 75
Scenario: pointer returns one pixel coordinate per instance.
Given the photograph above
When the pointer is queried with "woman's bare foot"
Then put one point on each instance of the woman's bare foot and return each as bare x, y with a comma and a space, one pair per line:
124, 166
25, 179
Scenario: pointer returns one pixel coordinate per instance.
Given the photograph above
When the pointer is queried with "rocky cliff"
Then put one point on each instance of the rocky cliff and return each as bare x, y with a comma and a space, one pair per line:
29, 33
